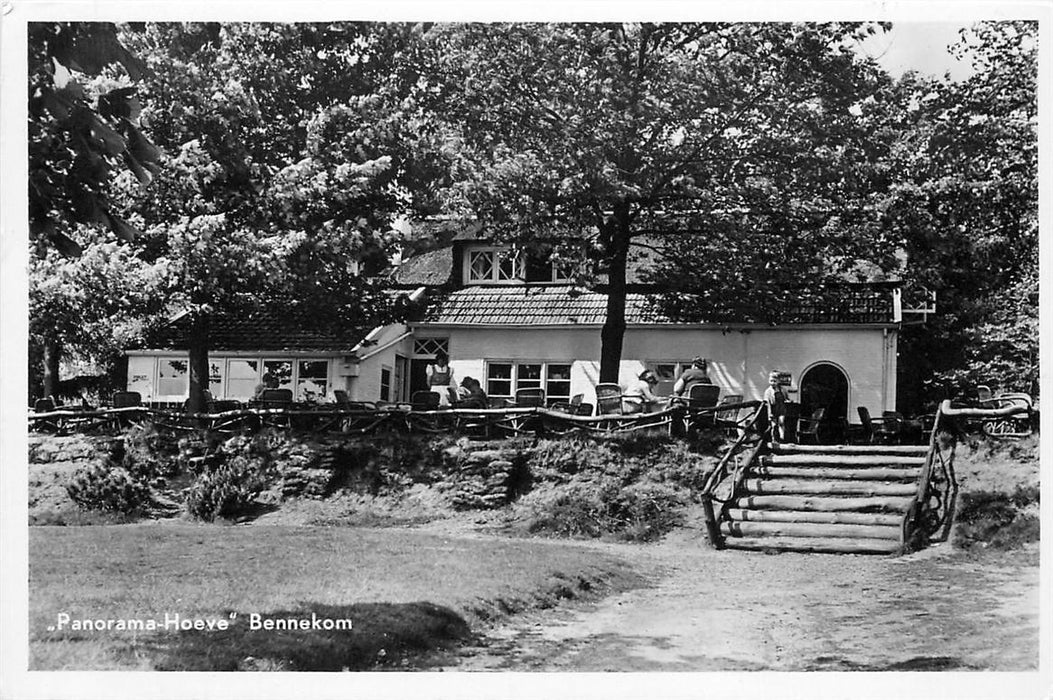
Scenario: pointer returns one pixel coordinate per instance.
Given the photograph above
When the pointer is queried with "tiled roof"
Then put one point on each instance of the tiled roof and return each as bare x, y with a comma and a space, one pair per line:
427, 269
532, 305
564, 305
264, 333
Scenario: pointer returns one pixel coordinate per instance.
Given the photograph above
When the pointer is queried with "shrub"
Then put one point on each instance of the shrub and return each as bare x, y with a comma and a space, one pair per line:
103, 486
999, 520
226, 489
639, 512
147, 453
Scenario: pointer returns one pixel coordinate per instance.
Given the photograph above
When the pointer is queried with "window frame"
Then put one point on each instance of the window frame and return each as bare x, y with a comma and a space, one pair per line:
498, 256
516, 381
665, 387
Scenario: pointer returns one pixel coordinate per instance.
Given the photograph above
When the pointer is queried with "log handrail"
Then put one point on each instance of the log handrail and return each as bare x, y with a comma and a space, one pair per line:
718, 475
914, 522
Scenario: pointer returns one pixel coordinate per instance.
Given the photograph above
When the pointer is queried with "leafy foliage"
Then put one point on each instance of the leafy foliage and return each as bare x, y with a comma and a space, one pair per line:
966, 206
697, 139
83, 121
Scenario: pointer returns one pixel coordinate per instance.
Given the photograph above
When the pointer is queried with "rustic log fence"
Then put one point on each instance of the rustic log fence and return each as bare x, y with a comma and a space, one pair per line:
484, 423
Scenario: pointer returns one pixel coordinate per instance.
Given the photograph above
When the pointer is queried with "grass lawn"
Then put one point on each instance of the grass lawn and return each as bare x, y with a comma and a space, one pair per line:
407, 593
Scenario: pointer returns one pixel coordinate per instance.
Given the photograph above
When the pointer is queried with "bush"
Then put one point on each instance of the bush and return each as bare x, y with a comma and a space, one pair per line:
999, 520
103, 486
230, 479
639, 512
629, 458
226, 490
147, 453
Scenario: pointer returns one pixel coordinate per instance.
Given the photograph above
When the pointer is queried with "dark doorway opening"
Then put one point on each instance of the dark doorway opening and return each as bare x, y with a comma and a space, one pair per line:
826, 386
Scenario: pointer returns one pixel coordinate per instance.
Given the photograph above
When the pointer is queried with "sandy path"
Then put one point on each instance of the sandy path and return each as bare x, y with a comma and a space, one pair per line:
709, 610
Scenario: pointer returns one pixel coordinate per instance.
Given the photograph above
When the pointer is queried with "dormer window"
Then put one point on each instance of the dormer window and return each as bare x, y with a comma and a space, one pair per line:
502, 265
492, 265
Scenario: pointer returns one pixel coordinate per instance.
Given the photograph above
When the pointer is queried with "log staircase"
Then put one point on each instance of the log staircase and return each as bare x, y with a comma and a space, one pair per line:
879, 499
836, 498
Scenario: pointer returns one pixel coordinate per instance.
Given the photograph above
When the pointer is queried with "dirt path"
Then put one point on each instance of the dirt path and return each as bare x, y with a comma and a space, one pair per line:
710, 610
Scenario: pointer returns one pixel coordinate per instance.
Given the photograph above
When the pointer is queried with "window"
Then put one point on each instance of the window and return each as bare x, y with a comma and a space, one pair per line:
385, 384
215, 379
557, 384
242, 378
312, 380
541, 268
280, 370
528, 376
427, 347
503, 379
488, 265
667, 372
499, 379
400, 379
172, 379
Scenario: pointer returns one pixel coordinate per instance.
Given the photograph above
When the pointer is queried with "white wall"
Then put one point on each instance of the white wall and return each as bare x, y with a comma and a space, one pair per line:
739, 360
366, 386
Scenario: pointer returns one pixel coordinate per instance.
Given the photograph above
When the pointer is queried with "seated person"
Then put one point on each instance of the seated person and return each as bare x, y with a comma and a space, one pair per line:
269, 382
471, 394
639, 396
695, 374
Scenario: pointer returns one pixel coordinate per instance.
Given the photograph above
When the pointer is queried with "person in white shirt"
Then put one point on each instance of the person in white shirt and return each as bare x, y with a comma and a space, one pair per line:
639, 396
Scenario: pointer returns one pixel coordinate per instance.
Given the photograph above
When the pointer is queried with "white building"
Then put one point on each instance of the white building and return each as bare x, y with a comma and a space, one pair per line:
499, 325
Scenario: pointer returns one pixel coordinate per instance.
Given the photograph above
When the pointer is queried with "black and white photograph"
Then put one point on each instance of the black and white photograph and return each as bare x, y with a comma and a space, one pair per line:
451, 351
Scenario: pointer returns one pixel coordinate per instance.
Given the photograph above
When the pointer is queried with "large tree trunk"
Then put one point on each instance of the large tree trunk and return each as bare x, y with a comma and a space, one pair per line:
52, 352
198, 351
613, 333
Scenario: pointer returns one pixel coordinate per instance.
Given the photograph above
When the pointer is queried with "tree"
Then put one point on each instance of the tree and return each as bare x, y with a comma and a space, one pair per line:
275, 187
80, 129
699, 139
91, 306
966, 207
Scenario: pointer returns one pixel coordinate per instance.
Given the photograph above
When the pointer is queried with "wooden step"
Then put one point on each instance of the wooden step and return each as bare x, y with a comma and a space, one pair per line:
828, 487
910, 450
809, 544
871, 473
843, 460
829, 503
824, 530
813, 516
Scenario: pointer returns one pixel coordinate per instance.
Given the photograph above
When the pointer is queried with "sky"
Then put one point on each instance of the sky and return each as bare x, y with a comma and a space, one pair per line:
920, 46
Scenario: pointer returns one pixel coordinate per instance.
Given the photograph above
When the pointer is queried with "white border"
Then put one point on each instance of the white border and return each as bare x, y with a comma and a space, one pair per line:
15, 682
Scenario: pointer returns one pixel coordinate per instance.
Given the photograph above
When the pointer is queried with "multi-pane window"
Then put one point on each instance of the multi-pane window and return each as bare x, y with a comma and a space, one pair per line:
238, 377
312, 380
499, 379
385, 384
281, 370
503, 379
172, 377
493, 265
242, 377
431, 346
528, 376
557, 382
215, 378
667, 372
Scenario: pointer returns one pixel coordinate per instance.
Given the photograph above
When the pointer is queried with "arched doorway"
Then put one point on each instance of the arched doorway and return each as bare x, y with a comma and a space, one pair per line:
825, 385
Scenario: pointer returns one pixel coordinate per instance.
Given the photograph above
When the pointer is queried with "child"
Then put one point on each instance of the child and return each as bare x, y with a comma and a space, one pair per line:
776, 399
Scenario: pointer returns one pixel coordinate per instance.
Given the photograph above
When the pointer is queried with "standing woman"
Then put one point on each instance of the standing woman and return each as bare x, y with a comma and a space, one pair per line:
440, 377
